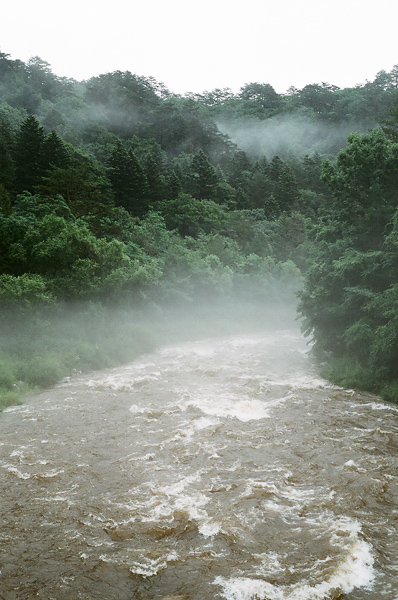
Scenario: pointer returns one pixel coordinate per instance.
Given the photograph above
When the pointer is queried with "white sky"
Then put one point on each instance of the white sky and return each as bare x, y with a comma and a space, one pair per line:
201, 45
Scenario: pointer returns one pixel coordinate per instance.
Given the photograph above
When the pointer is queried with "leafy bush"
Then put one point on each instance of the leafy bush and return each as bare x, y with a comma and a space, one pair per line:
7, 374
42, 370
24, 291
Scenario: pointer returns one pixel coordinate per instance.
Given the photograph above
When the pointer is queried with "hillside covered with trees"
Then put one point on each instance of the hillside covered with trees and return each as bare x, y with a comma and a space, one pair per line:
117, 195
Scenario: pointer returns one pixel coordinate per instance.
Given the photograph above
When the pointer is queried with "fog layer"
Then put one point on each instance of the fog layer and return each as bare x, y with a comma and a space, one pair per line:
288, 135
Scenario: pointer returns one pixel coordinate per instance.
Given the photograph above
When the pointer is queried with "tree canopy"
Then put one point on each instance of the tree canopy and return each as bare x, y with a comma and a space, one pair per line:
116, 191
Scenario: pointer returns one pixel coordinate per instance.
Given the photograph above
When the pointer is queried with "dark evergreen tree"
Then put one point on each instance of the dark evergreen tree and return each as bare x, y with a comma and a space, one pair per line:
312, 167
128, 181
173, 184
239, 169
79, 186
155, 179
284, 184
260, 193
28, 155
55, 153
239, 174
203, 179
6, 156
276, 169
287, 192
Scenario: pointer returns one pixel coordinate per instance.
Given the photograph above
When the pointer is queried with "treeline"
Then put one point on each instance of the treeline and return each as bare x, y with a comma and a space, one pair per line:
120, 103
115, 193
76, 228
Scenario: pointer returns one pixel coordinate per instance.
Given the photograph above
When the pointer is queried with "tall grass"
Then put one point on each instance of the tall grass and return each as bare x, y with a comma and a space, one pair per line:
40, 348
37, 350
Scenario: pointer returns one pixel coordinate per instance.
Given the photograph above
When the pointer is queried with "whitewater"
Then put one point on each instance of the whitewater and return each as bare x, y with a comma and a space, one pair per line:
223, 468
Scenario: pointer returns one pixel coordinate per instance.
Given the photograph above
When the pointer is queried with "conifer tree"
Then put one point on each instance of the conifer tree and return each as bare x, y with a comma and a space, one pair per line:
55, 153
29, 156
128, 181
203, 177
6, 156
155, 180
174, 185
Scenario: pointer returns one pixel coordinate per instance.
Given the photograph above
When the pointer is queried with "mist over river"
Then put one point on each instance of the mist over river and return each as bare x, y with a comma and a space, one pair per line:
217, 469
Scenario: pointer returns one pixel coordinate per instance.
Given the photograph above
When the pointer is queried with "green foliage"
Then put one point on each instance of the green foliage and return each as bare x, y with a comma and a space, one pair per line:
349, 302
6, 155
41, 371
7, 375
190, 216
128, 181
203, 177
261, 99
115, 192
349, 373
364, 183
5, 201
38, 348
28, 156
24, 291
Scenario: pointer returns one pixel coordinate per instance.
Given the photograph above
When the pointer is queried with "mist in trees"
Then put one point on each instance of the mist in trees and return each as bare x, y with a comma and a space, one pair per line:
116, 194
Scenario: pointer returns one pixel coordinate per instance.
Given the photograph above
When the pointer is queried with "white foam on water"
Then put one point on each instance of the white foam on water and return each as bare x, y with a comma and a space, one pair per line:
176, 489
209, 528
138, 409
18, 453
301, 382
174, 503
20, 409
309, 383
123, 382
351, 464
204, 423
17, 472
171, 501
375, 405
147, 567
354, 571
269, 563
188, 430
252, 486
228, 406
49, 474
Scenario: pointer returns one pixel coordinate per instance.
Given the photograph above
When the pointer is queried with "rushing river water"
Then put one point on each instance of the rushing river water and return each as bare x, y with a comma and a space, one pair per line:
217, 469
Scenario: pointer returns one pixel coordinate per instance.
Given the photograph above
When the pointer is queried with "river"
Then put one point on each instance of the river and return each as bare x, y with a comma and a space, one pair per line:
217, 469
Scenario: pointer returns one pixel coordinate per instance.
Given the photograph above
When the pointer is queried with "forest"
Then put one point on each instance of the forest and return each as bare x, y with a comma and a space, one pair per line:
123, 206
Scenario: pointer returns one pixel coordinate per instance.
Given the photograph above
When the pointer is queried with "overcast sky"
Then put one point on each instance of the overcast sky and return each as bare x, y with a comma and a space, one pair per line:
201, 45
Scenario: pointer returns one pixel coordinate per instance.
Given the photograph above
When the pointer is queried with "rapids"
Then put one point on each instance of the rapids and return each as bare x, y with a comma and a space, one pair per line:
217, 469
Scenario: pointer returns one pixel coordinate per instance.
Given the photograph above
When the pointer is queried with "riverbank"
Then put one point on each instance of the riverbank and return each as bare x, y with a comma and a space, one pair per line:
348, 373
40, 349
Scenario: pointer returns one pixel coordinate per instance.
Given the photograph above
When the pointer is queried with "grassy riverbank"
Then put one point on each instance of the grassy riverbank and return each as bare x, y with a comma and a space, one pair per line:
40, 349
348, 373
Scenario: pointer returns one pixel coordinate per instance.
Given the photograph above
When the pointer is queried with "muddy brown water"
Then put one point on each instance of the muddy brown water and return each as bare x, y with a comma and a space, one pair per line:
217, 469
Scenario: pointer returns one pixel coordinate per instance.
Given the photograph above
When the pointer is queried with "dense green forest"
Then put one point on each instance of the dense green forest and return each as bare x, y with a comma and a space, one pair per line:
122, 204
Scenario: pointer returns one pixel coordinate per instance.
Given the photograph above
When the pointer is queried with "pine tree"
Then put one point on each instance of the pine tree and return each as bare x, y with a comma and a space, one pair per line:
29, 156
128, 181
284, 184
55, 153
174, 185
155, 179
203, 177
6, 156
